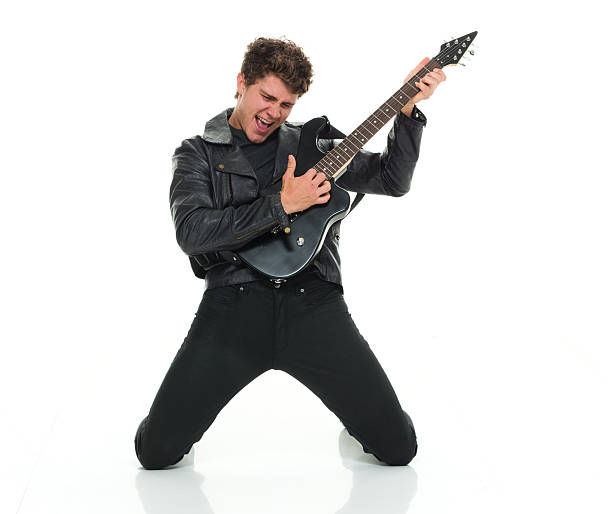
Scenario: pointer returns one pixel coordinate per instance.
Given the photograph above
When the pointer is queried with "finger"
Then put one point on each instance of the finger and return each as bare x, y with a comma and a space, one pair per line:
323, 198
427, 83
426, 90
319, 178
435, 77
439, 76
429, 78
425, 80
418, 67
324, 187
439, 73
291, 163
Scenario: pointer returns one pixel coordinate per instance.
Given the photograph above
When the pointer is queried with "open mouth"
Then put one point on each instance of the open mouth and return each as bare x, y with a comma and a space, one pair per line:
262, 124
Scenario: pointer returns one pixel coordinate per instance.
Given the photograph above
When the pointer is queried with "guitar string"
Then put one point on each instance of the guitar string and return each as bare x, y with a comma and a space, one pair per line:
331, 163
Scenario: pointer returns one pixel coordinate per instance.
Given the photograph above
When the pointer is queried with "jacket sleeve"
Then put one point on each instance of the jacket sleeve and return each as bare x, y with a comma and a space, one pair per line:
390, 172
200, 228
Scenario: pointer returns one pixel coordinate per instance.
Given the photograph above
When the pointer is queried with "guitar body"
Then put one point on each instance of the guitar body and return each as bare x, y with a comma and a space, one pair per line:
284, 255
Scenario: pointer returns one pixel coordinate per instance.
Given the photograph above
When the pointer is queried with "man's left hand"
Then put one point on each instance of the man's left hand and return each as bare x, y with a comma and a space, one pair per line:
427, 85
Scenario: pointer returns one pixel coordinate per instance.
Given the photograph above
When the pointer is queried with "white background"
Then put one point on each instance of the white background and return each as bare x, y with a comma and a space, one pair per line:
484, 292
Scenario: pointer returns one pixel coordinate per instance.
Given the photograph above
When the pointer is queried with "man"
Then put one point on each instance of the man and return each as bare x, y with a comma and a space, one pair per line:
247, 324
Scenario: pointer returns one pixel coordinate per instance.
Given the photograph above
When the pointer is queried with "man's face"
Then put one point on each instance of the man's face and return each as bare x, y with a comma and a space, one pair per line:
262, 107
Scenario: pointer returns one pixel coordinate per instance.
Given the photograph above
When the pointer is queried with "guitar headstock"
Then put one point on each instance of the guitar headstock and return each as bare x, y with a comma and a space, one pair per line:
453, 51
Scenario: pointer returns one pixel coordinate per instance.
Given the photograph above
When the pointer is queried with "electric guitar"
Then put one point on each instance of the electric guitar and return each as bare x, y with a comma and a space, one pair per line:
282, 254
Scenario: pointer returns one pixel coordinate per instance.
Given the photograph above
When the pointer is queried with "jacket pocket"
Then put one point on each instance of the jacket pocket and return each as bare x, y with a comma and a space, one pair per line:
238, 189
229, 188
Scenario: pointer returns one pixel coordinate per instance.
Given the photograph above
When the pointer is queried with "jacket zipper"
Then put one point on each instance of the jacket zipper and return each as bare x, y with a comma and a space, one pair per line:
257, 230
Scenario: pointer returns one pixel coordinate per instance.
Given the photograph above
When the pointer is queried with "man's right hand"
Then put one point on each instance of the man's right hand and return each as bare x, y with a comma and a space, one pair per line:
300, 193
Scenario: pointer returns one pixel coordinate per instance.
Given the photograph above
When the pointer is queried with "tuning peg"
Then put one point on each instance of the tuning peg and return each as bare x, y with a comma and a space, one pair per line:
462, 64
471, 52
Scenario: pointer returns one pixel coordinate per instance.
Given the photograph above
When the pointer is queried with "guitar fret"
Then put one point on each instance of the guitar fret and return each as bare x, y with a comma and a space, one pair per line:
414, 88
373, 119
387, 112
347, 152
384, 114
374, 127
325, 166
400, 100
340, 147
357, 148
318, 167
363, 136
364, 127
374, 115
392, 108
400, 105
331, 163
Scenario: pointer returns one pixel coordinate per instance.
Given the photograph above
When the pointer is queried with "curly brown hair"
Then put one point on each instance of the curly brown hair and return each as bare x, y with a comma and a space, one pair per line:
281, 57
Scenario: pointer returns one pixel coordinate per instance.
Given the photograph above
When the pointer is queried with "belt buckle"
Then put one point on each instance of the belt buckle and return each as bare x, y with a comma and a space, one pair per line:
278, 281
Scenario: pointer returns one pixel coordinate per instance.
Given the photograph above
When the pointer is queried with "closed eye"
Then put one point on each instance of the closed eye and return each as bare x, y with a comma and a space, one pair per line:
286, 105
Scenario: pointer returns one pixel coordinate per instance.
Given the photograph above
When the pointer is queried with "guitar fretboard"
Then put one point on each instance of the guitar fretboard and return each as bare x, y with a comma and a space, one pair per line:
337, 159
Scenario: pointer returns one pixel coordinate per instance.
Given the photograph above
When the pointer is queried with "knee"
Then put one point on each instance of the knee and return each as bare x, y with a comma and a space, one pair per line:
403, 447
403, 454
155, 459
151, 454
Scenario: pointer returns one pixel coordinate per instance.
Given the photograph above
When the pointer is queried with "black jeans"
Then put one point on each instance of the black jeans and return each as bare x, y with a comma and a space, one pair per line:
302, 328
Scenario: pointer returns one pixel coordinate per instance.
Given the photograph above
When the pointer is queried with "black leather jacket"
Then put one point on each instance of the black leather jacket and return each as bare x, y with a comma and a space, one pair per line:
216, 208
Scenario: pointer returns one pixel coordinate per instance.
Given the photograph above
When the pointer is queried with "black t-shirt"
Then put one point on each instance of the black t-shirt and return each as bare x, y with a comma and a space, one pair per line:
261, 156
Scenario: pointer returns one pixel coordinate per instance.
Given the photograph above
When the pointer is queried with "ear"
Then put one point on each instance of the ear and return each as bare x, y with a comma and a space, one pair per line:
240, 84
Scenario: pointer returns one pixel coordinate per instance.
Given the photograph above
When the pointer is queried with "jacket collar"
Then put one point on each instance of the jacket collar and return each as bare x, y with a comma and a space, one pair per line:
217, 128
217, 131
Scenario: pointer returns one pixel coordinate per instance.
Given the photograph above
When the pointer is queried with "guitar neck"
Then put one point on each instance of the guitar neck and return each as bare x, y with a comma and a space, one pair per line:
336, 160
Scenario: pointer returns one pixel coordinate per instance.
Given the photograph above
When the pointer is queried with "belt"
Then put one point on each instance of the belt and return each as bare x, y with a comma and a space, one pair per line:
305, 276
